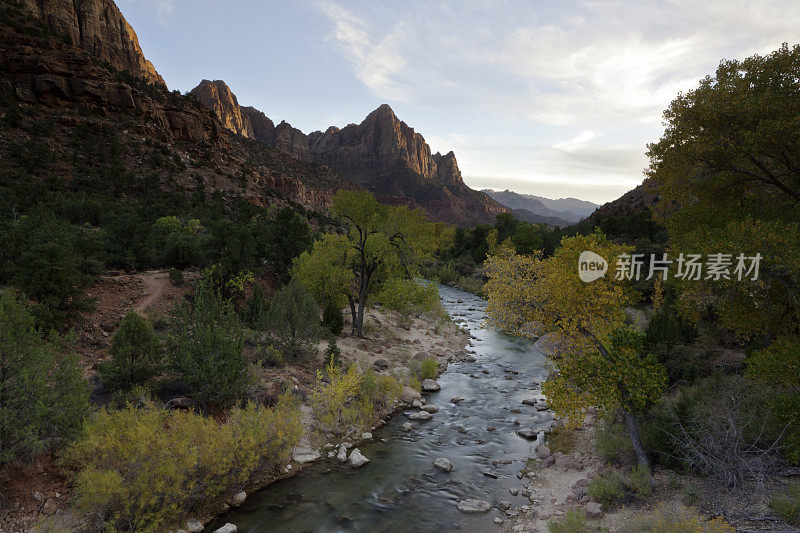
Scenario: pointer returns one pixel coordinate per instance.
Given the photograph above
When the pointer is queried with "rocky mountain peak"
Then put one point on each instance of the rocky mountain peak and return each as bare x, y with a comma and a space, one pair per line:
98, 27
382, 153
218, 97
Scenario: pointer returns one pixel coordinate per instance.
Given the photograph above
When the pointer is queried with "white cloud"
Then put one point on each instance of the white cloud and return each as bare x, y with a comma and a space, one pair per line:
572, 89
164, 10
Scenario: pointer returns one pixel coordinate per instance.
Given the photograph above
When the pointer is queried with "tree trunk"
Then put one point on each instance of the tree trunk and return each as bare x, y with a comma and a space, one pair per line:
353, 313
636, 440
362, 303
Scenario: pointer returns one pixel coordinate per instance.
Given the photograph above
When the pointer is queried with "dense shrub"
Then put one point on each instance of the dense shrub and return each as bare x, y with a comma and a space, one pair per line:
428, 368
613, 443
136, 354
332, 319
345, 399
292, 322
777, 368
607, 489
146, 468
43, 396
723, 428
207, 348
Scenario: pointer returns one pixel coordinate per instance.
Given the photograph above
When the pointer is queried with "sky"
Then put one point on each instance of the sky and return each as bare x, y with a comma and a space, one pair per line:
553, 98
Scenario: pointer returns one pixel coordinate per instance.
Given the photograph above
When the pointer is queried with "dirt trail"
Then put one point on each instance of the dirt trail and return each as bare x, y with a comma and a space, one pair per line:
156, 284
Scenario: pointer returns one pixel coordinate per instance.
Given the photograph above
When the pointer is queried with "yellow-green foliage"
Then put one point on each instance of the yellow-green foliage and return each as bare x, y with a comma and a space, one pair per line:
599, 362
345, 398
672, 521
144, 469
411, 297
574, 521
428, 368
788, 506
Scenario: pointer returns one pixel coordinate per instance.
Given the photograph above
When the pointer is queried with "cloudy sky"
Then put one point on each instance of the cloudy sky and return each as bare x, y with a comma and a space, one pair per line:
555, 98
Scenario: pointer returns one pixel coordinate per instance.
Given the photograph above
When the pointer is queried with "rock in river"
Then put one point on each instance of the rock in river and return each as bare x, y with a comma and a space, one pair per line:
357, 458
443, 463
227, 528
474, 506
420, 415
431, 408
527, 433
429, 385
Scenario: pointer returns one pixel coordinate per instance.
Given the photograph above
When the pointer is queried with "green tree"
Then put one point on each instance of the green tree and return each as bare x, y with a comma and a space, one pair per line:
136, 354
207, 351
288, 235
527, 238
292, 321
598, 361
382, 242
43, 396
727, 169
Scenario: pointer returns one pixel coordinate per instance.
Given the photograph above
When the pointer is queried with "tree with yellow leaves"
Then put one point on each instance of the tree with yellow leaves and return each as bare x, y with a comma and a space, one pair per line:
600, 362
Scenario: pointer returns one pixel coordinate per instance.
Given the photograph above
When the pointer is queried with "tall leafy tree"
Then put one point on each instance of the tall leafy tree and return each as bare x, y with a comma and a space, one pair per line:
598, 361
381, 242
727, 169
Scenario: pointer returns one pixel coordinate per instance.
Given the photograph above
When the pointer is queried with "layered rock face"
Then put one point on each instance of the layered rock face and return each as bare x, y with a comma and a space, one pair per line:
98, 27
382, 153
217, 97
381, 144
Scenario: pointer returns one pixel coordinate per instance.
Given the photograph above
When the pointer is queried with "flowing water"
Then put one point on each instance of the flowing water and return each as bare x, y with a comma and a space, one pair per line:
400, 489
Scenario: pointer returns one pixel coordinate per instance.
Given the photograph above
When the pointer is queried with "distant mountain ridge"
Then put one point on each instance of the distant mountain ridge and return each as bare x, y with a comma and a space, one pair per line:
382, 153
563, 211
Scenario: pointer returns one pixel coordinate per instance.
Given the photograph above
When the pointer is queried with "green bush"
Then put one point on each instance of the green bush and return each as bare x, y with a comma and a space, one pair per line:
147, 469
607, 489
43, 396
777, 369
639, 481
332, 319
176, 276
428, 368
613, 443
207, 348
574, 521
292, 322
787, 506
332, 353
136, 354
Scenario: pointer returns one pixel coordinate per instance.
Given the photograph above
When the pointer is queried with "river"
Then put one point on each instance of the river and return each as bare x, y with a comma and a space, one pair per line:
400, 489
